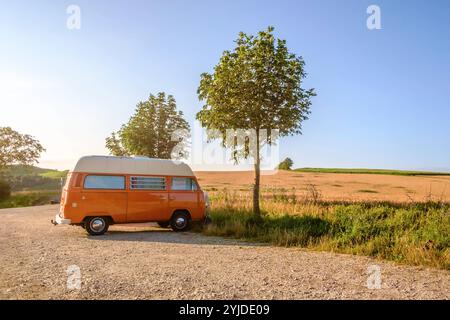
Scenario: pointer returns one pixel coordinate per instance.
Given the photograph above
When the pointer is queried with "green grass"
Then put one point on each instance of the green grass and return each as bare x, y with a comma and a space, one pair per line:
23, 170
28, 199
417, 234
373, 171
30, 178
54, 174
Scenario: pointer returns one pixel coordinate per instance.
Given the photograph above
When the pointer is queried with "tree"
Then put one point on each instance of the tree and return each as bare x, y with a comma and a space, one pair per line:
156, 130
254, 87
286, 164
115, 146
16, 148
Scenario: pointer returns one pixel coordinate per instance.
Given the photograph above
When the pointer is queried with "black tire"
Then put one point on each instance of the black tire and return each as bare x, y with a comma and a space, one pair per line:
164, 224
181, 221
96, 226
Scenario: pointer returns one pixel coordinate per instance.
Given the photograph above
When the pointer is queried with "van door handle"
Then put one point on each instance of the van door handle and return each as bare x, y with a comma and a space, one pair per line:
171, 198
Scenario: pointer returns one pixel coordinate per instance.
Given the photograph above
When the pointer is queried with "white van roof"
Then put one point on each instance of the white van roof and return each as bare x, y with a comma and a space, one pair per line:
132, 165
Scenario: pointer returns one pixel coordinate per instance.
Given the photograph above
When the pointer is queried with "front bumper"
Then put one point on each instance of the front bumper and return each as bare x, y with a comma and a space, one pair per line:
59, 220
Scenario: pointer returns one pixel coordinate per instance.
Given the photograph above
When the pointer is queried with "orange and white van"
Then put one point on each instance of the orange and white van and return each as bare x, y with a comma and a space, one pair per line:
105, 190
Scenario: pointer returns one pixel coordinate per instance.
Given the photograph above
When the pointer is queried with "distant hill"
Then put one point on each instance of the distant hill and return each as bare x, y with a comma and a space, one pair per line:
374, 171
21, 170
28, 178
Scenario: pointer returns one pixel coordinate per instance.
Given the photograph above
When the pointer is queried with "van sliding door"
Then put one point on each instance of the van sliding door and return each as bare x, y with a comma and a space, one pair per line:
148, 199
104, 195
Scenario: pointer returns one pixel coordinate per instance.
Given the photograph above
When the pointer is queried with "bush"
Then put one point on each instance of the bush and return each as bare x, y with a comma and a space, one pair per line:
286, 164
33, 182
5, 190
28, 199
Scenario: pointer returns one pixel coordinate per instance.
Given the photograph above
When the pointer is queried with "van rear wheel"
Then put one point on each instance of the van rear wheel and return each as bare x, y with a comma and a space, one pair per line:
180, 221
96, 226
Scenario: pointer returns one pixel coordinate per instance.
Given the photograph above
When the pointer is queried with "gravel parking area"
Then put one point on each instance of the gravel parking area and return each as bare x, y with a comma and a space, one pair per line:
147, 262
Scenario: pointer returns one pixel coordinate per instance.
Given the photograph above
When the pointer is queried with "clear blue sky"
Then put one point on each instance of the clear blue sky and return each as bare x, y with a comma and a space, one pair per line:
383, 95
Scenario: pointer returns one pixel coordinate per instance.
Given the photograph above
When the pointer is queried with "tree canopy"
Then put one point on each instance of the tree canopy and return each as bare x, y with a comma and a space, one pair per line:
286, 164
157, 130
17, 148
255, 86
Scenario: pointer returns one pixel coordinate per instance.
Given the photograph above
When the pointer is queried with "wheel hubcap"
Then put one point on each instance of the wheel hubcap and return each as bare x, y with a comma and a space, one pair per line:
97, 224
180, 222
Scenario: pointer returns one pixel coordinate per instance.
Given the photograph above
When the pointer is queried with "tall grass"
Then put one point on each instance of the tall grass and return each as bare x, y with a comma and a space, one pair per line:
413, 233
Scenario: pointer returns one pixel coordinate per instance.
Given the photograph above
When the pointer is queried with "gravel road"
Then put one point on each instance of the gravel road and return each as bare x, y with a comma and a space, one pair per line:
147, 262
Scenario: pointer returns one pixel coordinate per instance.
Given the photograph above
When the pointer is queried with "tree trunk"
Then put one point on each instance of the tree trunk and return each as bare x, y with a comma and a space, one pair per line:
256, 209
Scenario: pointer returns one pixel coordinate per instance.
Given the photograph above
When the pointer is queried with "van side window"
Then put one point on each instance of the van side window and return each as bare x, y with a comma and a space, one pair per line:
148, 183
184, 184
104, 182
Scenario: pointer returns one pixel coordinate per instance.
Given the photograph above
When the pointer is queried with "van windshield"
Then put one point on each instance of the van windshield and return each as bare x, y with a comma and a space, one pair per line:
183, 184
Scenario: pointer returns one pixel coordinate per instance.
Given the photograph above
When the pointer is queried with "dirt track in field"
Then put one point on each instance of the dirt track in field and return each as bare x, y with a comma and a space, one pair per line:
336, 186
146, 262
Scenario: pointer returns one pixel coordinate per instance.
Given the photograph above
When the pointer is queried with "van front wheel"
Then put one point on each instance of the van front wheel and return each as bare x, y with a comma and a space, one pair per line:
96, 226
180, 221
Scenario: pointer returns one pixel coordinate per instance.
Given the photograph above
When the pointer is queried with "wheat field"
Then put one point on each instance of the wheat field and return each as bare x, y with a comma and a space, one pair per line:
334, 186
